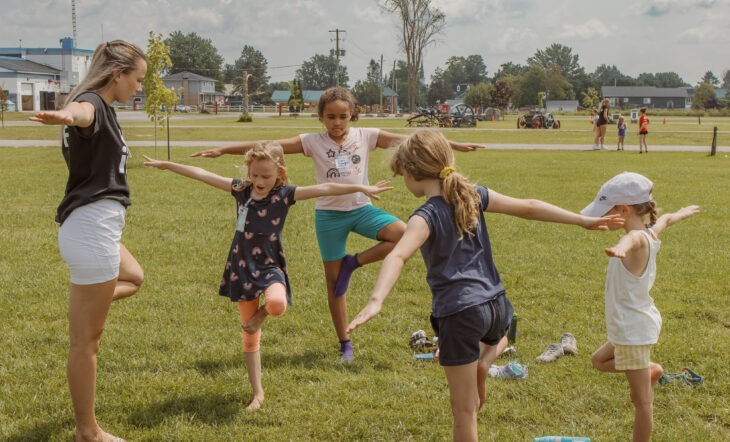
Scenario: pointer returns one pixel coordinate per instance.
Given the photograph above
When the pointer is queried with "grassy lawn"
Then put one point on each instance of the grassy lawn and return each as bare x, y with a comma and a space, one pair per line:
672, 130
171, 366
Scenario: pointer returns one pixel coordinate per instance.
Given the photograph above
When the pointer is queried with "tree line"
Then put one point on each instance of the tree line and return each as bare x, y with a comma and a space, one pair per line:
552, 73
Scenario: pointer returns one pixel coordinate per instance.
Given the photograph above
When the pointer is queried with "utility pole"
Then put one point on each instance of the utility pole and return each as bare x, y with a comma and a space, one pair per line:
244, 91
381, 82
337, 54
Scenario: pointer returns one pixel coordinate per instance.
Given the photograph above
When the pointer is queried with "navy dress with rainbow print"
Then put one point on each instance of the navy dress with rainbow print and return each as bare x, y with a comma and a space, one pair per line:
256, 259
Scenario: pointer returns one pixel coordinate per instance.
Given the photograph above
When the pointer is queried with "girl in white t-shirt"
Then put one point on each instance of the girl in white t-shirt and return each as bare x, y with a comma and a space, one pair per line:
340, 155
633, 322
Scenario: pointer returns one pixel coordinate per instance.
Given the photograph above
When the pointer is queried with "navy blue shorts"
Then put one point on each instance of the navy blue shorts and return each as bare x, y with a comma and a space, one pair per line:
459, 334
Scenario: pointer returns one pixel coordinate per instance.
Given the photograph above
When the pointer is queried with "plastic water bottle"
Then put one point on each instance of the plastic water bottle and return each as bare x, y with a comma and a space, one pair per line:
512, 333
561, 439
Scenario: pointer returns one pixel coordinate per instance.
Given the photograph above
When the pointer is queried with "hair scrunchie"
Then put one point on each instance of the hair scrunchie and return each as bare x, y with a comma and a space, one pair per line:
446, 171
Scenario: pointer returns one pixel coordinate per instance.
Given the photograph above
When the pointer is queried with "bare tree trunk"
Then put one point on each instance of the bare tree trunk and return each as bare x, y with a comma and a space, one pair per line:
421, 23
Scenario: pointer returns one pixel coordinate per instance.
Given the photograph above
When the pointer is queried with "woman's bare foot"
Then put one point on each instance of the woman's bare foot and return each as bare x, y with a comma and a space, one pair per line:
256, 402
100, 436
254, 324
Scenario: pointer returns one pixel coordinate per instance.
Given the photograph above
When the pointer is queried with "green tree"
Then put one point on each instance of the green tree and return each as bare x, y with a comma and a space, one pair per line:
296, 97
710, 78
501, 94
590, 98
420, 22
561, 56
3, 105
705, 97
556, 86
605, 75
319, 72
254, 63
367, 91
192, 53
479, 96
529, 85
509, 69
660, 79
157, 96
440, 89
397, 79
726, 78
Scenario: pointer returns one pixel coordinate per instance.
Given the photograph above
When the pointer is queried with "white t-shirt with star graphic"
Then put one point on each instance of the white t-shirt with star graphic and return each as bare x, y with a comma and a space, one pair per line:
346, 164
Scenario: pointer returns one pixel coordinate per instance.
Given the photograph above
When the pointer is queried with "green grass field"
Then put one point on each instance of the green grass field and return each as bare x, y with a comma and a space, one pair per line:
171, 366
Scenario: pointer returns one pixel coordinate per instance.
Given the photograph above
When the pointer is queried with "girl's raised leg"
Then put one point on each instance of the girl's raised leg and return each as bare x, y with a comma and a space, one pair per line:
130, 276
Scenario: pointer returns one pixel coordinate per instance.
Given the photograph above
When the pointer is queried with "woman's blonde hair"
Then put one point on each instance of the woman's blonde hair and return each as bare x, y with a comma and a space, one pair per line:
426, 154
110, 59
265, 151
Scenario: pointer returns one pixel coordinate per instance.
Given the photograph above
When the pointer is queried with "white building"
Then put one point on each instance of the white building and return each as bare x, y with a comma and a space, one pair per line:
31, 86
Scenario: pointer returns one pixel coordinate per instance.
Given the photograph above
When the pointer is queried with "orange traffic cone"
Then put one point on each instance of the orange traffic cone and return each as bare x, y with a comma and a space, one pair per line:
664, 121
492, 117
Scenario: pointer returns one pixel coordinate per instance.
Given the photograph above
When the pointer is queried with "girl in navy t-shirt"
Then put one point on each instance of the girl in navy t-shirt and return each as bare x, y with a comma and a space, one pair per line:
469, 310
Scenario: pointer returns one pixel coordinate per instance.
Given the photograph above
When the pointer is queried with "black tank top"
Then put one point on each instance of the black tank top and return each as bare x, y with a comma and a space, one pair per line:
97, 164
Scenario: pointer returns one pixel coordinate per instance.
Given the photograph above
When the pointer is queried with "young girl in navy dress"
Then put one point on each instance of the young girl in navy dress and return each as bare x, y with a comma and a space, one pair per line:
256, 265
469, 310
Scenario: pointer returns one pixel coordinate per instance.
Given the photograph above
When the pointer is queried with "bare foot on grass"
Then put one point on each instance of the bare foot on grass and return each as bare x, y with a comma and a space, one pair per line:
255, 403
101, 436
254, 324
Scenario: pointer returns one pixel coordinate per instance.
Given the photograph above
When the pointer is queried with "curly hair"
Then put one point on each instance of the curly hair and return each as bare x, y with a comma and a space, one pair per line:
426, 154
335, 94
265, 151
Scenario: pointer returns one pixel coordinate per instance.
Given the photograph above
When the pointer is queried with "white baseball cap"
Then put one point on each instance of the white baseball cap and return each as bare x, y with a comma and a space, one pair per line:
625, 188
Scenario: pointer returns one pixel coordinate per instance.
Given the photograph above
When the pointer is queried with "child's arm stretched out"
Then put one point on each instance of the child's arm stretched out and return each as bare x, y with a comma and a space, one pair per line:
634, 240
387, 140
332, 189
290, 145
197, 173
537, 210
416, 234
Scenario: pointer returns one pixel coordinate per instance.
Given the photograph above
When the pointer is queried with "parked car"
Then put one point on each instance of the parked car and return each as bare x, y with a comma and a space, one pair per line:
182, 108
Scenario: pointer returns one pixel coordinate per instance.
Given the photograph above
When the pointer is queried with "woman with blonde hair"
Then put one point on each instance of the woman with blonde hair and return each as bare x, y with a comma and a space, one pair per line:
92, 214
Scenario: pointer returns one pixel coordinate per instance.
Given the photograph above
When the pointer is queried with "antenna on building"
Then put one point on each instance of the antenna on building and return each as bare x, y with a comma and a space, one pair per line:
73, 19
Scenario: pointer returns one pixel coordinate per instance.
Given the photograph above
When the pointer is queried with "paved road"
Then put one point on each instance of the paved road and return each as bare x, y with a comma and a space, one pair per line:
205, 144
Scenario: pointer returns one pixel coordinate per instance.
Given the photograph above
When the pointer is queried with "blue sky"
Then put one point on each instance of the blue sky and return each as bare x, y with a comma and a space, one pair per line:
688, 37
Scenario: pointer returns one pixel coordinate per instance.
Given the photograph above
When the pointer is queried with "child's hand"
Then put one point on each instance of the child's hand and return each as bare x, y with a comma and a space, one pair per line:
603, 223
210, 153
149, 162
615, 252
367, 313
686, 212
53, 117
380, 186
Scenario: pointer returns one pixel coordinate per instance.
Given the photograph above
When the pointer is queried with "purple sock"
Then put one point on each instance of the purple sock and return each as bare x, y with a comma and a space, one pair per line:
346, 352
349, 264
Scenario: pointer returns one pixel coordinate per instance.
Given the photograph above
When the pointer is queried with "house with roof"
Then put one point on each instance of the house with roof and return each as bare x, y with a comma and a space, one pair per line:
194, 89
310, 97
627, 97
31, 86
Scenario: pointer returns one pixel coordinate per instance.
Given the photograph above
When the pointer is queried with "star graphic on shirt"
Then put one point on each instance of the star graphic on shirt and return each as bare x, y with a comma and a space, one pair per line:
331, 153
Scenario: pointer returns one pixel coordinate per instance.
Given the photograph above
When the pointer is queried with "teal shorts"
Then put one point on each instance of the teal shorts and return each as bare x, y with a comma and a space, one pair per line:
333, 226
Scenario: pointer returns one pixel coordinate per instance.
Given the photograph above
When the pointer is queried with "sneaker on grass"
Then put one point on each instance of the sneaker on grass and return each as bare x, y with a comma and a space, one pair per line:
512, 370
569, 344
551, 353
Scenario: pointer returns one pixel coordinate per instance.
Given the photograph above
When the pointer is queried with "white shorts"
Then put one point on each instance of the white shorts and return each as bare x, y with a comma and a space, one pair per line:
89, 241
